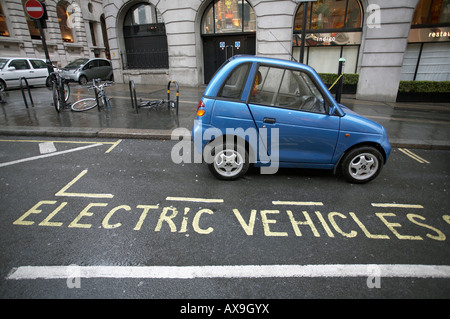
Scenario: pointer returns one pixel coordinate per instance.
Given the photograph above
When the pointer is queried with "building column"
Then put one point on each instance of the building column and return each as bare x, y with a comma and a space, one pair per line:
385, 36
275, 20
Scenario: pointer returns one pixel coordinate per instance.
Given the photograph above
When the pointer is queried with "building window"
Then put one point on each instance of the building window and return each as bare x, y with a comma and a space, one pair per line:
64, 20
431, 12
4, 32
228, 16
333, 30
145, 38
427, 56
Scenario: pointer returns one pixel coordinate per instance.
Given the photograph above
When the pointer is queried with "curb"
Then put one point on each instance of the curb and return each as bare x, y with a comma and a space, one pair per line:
154, 134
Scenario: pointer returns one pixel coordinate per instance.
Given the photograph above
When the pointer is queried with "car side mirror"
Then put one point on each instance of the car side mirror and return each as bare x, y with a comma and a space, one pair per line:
11, 68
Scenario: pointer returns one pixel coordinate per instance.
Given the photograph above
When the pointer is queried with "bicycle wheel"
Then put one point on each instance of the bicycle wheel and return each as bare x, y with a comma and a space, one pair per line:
56, 100
84, 104
66, 91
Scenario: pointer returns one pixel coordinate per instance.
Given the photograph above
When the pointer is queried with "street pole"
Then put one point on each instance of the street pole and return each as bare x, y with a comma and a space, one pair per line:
44, 44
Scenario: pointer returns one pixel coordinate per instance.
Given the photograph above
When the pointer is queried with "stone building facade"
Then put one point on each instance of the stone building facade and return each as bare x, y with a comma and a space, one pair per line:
154, 41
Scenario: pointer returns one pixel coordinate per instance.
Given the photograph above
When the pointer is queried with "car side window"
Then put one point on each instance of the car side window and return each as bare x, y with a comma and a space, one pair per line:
20, 64
38, 64
234, 85
104, 63
286, 88
92, 64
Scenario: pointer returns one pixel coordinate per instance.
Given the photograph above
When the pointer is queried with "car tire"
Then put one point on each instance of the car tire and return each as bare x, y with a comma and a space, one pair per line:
362, 164
2, 86
230, 161
83, 80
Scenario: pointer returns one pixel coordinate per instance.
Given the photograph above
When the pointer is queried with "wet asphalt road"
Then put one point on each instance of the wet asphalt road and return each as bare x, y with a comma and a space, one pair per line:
126, 203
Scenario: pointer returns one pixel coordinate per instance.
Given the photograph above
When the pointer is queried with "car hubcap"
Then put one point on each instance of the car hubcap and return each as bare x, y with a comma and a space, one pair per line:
228, 163
363, 166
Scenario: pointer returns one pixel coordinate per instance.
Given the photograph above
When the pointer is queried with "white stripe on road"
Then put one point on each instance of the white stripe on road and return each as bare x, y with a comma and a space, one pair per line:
47, 155
242, 271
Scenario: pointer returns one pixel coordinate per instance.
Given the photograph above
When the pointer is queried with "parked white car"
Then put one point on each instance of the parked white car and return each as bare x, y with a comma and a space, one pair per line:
12, 69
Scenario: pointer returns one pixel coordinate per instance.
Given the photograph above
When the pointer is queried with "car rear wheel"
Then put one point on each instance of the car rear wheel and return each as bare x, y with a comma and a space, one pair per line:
83, 80
229, 161
362, 165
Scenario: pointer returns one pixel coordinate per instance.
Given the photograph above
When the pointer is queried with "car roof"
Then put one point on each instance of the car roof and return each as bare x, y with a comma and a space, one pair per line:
20, 57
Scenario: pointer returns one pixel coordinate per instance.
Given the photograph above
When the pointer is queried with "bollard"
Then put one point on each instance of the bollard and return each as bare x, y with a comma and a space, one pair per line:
341, 80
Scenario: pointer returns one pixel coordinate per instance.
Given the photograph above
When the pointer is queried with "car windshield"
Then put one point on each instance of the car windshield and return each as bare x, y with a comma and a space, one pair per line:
3, 62
76, 63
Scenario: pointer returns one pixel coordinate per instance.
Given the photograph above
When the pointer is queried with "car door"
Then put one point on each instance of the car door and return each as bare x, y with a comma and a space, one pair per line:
290, 101
104, 68
91, 70
16, 69
40, 71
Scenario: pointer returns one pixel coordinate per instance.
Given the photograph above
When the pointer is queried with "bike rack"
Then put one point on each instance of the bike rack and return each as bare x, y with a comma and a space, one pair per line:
23, 93
177, 94
154, 103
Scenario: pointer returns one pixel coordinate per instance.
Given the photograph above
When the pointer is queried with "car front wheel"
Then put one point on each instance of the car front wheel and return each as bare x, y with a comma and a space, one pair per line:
229, 161
362, 165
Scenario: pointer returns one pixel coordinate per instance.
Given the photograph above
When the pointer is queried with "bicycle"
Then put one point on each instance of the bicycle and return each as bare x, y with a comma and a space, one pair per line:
60, 89
90, 103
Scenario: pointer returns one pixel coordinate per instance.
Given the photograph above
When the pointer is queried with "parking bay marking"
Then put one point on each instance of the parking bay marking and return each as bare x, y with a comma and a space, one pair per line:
63, 191
230, 271
393, 205
195, 200
413, 156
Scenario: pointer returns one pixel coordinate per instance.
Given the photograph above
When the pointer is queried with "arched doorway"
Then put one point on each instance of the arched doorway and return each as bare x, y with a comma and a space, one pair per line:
228, 28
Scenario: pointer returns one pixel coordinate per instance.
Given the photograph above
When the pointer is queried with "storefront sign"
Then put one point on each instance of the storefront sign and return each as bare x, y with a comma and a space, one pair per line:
329, 39
429, 35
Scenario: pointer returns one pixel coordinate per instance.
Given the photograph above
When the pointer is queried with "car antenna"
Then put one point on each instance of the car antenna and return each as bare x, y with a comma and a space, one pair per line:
283, 46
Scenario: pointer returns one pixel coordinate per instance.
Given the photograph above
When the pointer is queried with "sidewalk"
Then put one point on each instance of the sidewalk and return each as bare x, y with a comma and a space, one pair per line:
414, 125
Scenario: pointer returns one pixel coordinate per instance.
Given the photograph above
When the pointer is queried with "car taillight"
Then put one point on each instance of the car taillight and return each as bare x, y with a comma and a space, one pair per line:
201, 109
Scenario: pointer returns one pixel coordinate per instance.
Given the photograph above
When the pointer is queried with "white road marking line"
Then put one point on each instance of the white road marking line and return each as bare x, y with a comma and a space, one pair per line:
396, 205
196, 200
233, 271
114, 144
279, 202
47, 147
413, 156
48, 155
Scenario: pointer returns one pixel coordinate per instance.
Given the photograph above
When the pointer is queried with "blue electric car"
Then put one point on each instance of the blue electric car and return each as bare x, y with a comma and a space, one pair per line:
277, 113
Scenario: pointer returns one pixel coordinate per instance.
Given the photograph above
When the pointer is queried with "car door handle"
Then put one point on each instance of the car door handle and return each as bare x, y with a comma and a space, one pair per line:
269, 120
